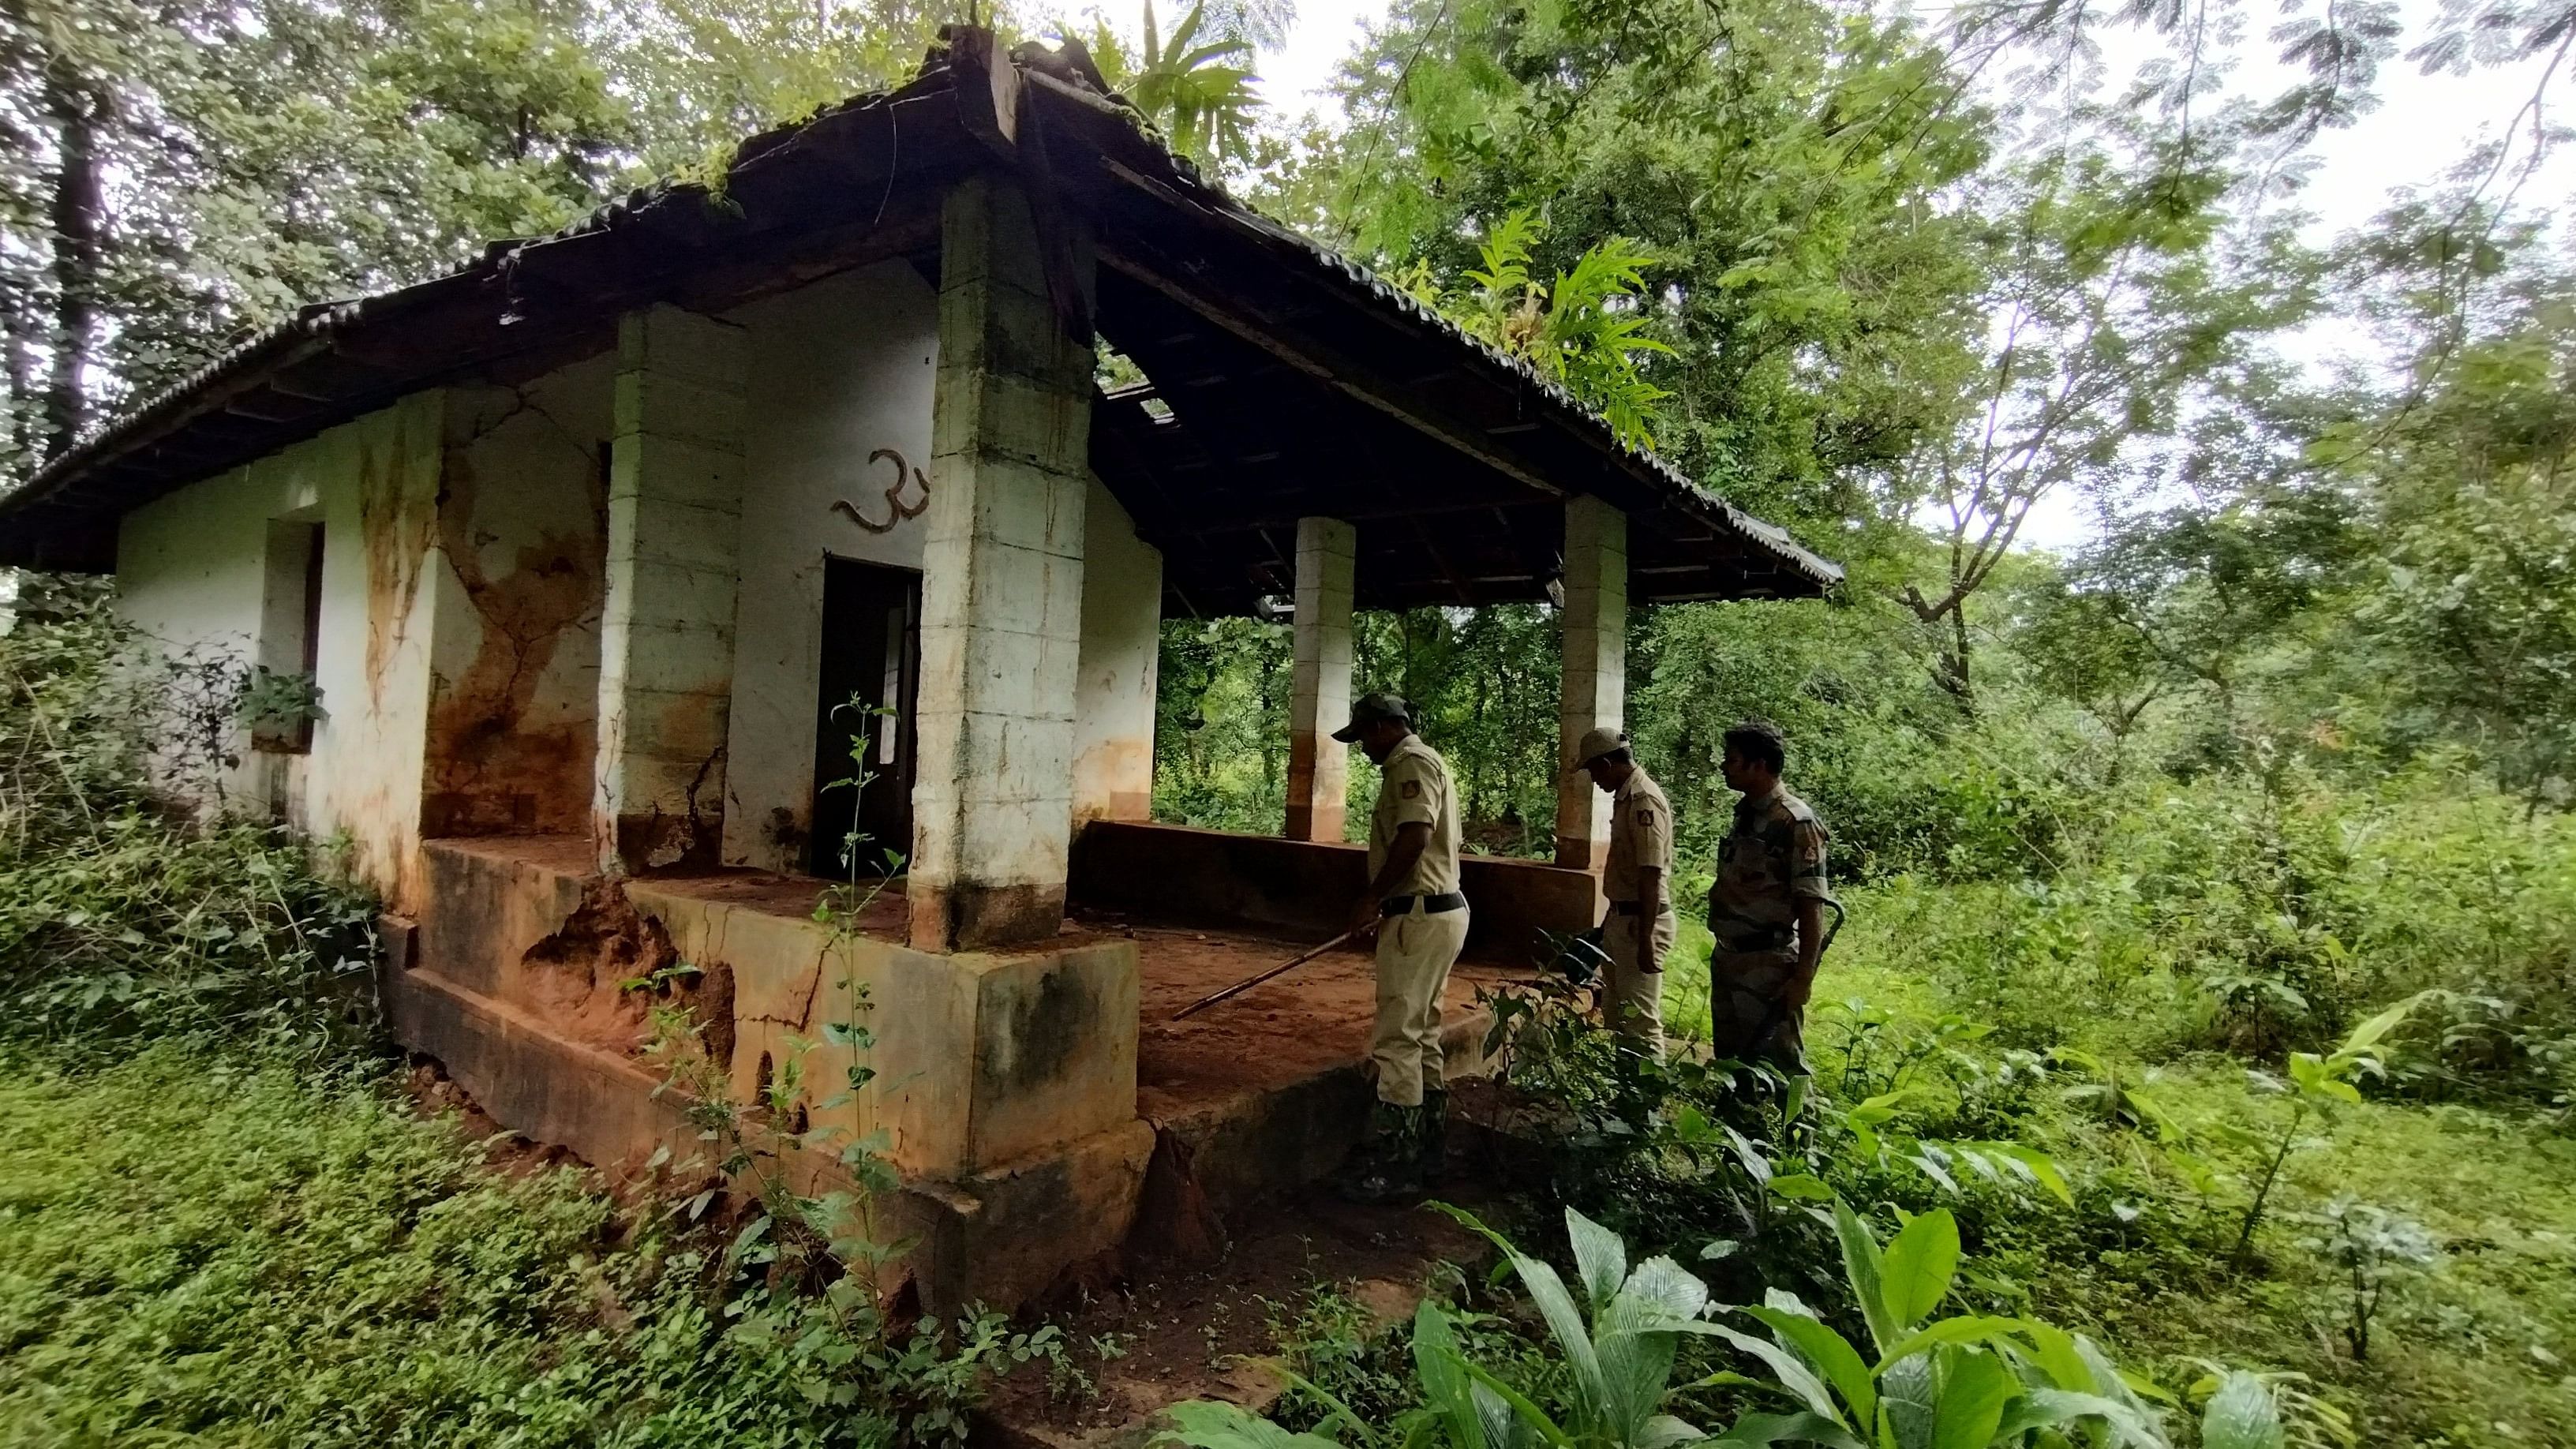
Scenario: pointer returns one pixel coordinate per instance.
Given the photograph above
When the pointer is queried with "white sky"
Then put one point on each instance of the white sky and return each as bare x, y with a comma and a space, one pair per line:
2423, 126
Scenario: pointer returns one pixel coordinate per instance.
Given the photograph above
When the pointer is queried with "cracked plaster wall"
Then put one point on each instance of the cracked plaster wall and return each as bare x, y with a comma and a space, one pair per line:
522, 534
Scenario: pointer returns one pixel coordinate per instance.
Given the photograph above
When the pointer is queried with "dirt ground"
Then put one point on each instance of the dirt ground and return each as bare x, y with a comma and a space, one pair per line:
1202, 1332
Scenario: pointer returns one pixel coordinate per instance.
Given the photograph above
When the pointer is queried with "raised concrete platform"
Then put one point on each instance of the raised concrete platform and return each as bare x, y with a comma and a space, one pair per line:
1042, 1108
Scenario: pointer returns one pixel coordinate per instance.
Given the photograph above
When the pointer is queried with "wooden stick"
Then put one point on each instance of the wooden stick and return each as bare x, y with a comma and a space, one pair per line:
1240, 987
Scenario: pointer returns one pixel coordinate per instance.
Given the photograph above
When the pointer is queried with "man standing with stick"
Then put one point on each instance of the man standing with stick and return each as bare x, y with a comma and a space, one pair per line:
1412, 902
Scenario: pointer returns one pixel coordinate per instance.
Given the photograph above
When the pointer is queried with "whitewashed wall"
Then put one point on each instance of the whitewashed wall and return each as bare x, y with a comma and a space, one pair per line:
839, 369
1122, 618
191, 571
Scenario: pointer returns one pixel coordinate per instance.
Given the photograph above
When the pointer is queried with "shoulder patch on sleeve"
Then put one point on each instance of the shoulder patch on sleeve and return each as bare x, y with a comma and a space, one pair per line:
1412, 789
1646, 816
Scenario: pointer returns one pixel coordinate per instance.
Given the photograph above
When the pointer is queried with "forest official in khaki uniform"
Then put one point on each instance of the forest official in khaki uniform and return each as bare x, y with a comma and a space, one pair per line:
1413, 904
1766, 908
1636, 878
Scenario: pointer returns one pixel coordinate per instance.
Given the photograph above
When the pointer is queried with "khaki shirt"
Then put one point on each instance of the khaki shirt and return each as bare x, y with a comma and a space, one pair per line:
1414, 789
1774, 856
1641, 838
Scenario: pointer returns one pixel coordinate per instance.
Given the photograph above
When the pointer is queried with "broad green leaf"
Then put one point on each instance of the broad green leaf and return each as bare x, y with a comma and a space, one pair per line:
1660, 1290
2367, 1035
1635, 1369
1789, 1369
1573, 1338
1446, 1388
1600, 1259
1861, 1267
1756, 1430
1975, 1387
1918, 1267
1528, 1413
1208, 1425
1802, 1186
1829, 1352
1666, 1432
2242, 1415
2043, 1407
2053, 1350
1964, 1330
1909, 1401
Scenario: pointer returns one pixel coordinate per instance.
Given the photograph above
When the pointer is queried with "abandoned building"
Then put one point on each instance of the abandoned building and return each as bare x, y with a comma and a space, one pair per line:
588, 545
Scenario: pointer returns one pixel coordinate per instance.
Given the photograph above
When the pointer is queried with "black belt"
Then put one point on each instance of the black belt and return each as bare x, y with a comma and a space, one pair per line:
1431, 905
1629, 908
1746, 939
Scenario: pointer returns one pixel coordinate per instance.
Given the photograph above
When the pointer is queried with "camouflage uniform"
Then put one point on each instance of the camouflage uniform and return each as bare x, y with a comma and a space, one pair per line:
1772, 858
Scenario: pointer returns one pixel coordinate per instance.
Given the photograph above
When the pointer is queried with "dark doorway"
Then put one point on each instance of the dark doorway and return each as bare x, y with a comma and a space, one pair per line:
871, 653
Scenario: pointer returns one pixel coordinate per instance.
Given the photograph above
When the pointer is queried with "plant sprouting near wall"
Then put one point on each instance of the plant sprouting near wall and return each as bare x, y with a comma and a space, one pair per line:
1190, 85
1585, 330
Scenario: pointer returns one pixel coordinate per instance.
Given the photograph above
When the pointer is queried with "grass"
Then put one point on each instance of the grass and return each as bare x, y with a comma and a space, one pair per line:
198, 1250
195, 1252
2480, 1350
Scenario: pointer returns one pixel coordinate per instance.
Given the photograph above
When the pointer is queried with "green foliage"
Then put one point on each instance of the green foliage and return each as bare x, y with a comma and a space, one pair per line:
218, 1248
1960, 1380
1585, 330
1778, 161
120, 915
1195, 90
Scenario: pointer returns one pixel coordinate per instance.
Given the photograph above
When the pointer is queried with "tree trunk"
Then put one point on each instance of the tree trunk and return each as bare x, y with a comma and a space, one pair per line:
1954, 662
22, 318
79, 221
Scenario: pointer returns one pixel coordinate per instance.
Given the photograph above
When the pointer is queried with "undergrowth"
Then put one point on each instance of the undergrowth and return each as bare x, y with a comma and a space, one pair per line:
238, 1251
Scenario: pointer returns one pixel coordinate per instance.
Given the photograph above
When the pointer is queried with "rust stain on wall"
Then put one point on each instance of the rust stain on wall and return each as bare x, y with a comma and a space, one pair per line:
1114, 779
491, 770
397, 518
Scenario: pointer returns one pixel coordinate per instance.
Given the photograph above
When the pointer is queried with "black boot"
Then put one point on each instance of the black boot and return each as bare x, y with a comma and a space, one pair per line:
1386, 1165
1431, 1154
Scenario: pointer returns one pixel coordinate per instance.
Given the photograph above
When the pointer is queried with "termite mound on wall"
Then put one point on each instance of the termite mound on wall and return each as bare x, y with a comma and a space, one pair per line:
604, 970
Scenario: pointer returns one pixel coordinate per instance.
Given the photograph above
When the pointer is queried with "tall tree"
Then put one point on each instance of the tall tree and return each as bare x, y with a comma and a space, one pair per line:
2110, 300
1783, 165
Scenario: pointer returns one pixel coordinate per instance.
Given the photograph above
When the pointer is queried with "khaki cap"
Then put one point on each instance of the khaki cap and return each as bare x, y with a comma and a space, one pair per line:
1596, 742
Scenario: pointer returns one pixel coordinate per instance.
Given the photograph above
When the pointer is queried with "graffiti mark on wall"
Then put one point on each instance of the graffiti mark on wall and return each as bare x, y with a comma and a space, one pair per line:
896, 509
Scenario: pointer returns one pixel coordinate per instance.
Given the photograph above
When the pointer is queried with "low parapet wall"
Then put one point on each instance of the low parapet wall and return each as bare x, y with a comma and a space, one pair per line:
1212, 878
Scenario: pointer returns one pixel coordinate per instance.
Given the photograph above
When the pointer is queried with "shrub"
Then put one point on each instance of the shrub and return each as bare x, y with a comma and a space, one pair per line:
124, 911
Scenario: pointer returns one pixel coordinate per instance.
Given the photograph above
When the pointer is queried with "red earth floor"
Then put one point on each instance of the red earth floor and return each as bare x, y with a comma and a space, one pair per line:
1308, 1022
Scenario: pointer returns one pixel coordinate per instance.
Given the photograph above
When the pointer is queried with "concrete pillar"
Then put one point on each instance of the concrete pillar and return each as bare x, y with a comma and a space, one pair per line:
666, 629
1594, 689
1319, 769
992, 804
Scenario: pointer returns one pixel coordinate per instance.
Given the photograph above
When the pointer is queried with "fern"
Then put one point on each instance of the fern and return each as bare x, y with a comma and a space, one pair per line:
1587, 331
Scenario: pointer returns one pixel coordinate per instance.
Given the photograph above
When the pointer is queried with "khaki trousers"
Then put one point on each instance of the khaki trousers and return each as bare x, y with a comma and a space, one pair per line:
1632, 997
1414, 954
